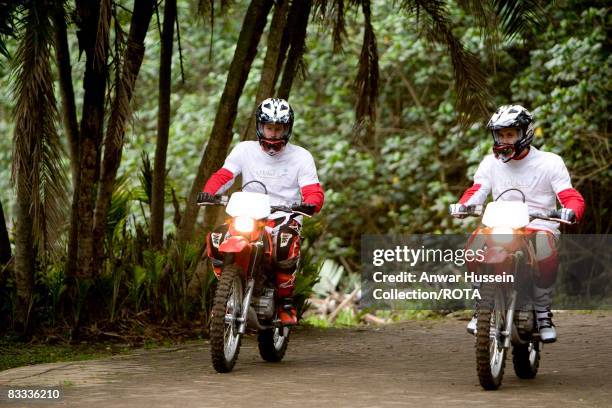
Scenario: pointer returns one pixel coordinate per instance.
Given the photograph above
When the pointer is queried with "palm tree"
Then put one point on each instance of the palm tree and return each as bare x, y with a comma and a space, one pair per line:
37, 172
95, 178
120, 112
93, 23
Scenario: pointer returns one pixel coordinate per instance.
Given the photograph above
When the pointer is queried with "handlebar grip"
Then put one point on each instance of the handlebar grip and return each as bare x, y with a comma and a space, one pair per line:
218, 200
554, 214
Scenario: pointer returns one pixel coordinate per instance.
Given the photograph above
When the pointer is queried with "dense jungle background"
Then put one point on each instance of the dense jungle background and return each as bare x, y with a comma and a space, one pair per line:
114, 113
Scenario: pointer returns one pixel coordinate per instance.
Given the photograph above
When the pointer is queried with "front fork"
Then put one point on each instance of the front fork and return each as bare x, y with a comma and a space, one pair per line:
249, 290
507, 333
246, 305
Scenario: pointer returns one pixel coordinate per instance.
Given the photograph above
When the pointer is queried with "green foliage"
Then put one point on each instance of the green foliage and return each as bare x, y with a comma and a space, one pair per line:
418, 161
568, 84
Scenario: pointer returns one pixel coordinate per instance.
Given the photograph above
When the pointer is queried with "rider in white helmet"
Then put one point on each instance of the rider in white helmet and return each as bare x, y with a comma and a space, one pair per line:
544, 179
290, 176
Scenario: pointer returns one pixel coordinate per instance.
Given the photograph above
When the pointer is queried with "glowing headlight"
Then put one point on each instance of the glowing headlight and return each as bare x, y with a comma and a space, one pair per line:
244, 224
502, 235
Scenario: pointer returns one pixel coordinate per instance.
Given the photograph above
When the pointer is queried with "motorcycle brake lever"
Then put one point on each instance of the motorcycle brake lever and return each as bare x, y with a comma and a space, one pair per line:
301, 213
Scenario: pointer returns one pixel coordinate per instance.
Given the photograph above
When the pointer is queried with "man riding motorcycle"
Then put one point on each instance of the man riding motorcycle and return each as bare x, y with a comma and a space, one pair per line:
290, 176
543, 177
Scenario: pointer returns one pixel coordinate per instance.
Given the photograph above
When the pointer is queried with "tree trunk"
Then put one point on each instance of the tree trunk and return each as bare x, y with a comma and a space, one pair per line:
69, 115
163, 126
5, 243
221, 134
120, 111
92, 20
24, 253
297, 42
71, 126
270, 67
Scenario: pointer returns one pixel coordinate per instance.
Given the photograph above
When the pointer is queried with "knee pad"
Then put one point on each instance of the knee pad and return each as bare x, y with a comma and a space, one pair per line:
287, 248
213, 240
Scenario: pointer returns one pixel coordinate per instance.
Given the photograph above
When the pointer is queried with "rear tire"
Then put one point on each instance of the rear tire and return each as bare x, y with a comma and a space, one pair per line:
490, 353
224, 336
272, 344
526, 360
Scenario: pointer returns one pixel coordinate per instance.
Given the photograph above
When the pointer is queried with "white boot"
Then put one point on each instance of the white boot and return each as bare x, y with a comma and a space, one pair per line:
548, 333
542, 301
472, 325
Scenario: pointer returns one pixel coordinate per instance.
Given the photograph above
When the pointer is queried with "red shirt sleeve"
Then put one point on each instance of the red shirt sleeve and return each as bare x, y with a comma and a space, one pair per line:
469, 193
571, 198
218, 180
313, 194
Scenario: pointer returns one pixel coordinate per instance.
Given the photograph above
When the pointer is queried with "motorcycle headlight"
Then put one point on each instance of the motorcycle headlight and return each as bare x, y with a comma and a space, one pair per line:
244, 224
502, 235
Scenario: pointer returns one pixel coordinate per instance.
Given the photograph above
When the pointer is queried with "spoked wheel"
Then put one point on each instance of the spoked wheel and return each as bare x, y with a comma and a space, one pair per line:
273, 343
490, 353
526, 359
227, 308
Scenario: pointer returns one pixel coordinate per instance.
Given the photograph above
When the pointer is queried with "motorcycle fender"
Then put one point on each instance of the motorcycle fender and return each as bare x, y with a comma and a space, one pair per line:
241, 247
233, 244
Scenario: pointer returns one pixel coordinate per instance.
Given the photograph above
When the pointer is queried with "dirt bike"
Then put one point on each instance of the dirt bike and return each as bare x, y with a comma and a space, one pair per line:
245, 298
505, 312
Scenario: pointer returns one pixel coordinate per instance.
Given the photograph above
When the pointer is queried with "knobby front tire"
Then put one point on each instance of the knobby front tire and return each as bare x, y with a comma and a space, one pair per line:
490, 355
224, 337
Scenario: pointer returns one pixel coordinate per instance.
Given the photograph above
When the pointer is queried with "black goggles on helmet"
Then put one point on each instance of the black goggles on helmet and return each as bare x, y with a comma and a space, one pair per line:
272, 144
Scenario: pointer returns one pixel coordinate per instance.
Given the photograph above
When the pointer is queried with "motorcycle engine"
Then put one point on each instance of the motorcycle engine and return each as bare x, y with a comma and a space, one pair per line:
264, 304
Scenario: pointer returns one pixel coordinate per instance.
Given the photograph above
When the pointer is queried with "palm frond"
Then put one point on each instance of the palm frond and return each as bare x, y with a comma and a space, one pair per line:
37, 151
517, 16
8, 22
470, 78
119, 209
488, 22
102, 33
368, 74
146, 175
332, 12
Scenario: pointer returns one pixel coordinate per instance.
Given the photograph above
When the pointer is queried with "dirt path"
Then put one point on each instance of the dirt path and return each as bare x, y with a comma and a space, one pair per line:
420, 364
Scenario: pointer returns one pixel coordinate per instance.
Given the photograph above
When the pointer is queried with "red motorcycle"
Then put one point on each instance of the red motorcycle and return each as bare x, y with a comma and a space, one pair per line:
245, 298
505, 313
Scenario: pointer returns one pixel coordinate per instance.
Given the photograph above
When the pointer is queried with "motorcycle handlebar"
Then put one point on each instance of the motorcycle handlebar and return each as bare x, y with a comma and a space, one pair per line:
218, 200
295, 210
476, 210
552, 215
